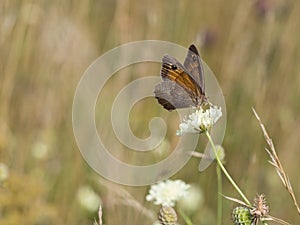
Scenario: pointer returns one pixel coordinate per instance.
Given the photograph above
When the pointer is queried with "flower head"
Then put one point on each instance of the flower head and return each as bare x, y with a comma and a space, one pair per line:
168, 192
200, 121
88, 199
40, 150
241, 216
193, 199
167, 216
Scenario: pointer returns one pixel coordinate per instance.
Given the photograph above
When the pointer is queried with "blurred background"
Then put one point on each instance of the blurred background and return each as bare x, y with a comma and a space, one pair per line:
253, 47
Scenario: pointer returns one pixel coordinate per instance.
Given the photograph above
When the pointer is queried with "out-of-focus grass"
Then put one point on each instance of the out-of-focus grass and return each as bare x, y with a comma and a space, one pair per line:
253, 47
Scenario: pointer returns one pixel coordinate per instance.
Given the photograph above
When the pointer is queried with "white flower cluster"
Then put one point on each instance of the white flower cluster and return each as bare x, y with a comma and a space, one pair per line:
88, 198
168, 192
200, 121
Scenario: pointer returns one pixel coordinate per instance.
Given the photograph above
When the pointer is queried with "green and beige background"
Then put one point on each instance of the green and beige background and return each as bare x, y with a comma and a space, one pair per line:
253, 48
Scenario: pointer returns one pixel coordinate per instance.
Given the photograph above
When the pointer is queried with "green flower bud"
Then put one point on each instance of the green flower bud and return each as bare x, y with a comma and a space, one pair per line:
241, 216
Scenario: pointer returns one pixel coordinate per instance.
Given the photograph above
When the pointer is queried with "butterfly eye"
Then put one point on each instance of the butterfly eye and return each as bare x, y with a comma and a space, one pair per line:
174, 67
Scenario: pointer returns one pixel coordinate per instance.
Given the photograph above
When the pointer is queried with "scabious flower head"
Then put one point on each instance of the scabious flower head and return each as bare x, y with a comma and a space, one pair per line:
168, 192
200, 121
88, 199
193, 199
40, 150
167, 216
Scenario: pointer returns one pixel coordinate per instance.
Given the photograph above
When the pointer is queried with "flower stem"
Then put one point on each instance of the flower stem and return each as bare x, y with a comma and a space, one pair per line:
224, 170
186, 219
219, 178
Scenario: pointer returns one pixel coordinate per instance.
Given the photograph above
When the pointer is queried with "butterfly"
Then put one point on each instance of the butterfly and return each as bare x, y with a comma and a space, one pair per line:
182, 86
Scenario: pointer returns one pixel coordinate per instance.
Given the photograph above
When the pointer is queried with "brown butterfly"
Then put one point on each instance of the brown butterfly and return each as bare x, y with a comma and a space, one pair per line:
182, 85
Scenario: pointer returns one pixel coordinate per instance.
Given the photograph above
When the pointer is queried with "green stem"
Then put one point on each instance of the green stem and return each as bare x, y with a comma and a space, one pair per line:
224, 170
186, 219
219, 178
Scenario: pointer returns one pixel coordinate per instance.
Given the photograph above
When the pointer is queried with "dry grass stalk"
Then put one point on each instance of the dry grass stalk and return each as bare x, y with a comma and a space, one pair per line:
120, 196
99, 217
276, 162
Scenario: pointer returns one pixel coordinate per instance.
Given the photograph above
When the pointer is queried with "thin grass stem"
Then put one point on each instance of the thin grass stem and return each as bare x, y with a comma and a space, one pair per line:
220, 198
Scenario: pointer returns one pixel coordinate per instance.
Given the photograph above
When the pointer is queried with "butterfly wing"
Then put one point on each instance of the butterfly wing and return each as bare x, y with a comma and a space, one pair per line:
178, 89
194, 67
172, 96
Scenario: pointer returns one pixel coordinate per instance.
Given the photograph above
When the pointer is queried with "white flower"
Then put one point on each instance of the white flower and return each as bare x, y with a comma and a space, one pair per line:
4, 172
168, 192
193, 200
88, 199
40, 150
199, 121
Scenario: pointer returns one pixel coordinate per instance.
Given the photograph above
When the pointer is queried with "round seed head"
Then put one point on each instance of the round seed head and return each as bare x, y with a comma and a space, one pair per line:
167, 216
